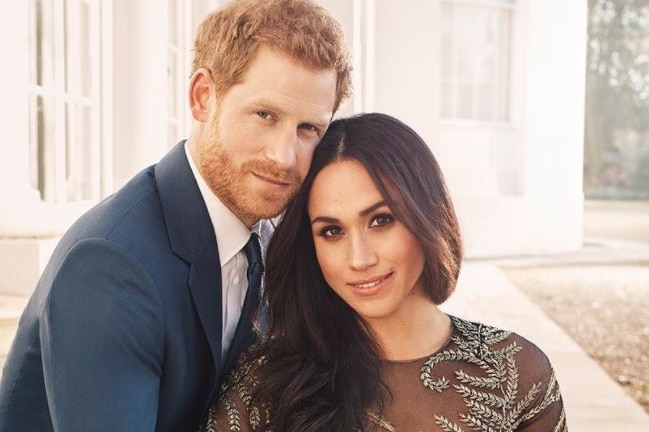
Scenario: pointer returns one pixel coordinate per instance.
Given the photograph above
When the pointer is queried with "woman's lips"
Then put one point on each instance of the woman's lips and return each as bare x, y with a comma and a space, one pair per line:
371, 285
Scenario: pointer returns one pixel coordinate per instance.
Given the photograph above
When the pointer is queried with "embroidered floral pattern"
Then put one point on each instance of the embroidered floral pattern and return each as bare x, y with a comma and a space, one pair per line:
480, 368
491, 399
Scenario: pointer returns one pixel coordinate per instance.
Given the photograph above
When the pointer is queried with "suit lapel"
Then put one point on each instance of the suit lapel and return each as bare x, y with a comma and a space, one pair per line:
205, 286
191, 236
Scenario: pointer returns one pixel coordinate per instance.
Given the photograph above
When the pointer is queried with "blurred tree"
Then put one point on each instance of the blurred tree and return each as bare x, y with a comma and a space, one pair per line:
617, 91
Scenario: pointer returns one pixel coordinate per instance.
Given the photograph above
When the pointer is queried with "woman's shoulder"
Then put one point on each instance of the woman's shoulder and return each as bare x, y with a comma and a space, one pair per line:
496, 348
494, 358
487, 341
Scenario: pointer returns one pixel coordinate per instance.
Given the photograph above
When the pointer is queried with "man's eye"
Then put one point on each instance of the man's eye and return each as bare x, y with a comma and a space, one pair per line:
263, 114
309, 128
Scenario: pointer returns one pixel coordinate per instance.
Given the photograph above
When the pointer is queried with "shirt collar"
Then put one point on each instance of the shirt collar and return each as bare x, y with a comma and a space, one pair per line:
231, 233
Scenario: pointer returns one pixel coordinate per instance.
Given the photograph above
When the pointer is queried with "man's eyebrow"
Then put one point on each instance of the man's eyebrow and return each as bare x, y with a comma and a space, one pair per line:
266, 104
321, 122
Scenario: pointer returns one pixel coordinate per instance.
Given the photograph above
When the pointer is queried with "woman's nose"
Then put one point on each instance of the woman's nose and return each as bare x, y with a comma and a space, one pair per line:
363, 254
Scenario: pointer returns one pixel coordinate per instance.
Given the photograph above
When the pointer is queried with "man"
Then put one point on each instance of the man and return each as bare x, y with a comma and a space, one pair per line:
138, 315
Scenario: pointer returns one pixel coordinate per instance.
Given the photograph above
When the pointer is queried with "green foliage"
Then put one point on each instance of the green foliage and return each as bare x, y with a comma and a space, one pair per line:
641, 174
617, 84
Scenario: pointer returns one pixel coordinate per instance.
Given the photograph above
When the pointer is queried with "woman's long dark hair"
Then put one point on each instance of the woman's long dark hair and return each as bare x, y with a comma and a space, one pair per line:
322, 369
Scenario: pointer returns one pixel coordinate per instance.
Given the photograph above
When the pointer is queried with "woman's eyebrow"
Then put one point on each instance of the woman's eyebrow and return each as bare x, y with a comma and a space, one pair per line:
373, 207
325, 219
364, 212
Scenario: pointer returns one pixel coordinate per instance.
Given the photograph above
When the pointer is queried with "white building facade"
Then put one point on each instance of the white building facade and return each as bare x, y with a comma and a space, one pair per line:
95, 90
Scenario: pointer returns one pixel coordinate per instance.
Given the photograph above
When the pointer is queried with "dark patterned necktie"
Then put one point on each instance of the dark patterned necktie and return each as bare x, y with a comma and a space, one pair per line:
245, 335
255, 271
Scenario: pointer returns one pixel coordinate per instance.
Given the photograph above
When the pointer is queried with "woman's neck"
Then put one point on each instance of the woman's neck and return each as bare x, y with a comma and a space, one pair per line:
420, 333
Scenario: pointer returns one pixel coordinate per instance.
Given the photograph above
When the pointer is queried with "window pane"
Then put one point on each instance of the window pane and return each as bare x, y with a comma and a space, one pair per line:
41, 42
78, 48
42, 141
501, 105
497, 3
447, 100
79, 179
476, 52
86, 51
465, 101
485, 102
172, 11
64, 56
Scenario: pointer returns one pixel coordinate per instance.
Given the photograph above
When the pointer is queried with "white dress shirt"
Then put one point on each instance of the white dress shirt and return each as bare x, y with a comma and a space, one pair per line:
231, 235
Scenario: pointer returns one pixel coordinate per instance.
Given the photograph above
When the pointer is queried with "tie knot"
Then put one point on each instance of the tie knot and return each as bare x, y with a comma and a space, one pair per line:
253, 251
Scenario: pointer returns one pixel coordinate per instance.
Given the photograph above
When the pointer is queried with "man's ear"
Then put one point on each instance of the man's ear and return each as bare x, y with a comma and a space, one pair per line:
201, 90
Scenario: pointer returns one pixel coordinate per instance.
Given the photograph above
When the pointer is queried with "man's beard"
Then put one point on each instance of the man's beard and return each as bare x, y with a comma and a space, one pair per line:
229, 182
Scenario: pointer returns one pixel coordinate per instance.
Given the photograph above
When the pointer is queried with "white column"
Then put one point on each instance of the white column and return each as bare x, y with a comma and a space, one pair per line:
140, 86
555, 93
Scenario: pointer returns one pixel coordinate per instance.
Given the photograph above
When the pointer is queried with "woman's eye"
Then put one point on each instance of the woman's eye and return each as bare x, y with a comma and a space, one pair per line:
381, 220
331, 232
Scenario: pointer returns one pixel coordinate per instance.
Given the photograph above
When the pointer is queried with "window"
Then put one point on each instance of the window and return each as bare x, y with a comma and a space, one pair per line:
65, 162
476, 59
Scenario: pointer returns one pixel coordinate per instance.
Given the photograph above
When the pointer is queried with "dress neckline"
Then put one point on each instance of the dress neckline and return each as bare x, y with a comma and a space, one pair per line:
446, 343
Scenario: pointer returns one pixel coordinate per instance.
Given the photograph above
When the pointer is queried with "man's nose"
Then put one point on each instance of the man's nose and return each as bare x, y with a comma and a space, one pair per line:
282, 148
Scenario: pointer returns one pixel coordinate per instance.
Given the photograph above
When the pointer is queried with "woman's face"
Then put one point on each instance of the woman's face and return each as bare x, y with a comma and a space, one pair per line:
369, 258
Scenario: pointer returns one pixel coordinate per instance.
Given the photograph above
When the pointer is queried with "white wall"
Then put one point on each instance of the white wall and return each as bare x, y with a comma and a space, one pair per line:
14, 149
517, 187
406, 64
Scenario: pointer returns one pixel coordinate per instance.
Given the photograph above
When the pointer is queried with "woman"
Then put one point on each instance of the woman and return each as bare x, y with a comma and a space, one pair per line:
363, 256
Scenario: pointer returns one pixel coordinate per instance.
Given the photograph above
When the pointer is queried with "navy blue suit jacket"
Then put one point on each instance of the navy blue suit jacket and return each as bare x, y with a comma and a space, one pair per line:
123, 331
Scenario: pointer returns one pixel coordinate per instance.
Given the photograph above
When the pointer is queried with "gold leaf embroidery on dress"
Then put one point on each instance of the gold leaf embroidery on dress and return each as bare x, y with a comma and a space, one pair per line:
380, 421
491, 391
490, 399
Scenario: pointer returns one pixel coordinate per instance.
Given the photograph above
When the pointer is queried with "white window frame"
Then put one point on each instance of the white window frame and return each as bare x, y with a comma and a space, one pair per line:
450, 85
56, 170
